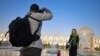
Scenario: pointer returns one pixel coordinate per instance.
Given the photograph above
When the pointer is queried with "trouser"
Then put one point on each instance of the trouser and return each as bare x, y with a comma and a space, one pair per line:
73, 51
31, 51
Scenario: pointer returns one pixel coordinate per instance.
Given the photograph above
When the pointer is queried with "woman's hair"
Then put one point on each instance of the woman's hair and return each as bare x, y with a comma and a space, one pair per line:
74, 30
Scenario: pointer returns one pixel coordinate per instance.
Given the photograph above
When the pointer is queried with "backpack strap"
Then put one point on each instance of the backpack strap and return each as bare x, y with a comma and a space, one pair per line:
6, 33
29, 15
34, 18
40, 24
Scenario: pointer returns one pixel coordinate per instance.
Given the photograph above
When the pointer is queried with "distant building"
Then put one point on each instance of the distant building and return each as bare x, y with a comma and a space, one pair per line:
96, 41
86, 35
2, 37
53, 40
88, 39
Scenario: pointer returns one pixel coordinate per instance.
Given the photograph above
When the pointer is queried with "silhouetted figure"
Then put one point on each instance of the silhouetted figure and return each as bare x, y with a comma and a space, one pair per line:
73, 43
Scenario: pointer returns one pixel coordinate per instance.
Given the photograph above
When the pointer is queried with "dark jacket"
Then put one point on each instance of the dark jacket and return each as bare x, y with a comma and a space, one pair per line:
71, 40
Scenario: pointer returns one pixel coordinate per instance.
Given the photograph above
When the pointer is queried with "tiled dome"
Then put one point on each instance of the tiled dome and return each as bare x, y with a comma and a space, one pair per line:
86, 31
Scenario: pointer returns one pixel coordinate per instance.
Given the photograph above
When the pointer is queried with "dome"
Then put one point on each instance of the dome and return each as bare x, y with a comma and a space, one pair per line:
86, 31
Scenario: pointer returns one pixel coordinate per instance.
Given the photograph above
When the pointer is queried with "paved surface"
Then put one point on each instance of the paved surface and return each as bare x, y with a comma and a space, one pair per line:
9, 51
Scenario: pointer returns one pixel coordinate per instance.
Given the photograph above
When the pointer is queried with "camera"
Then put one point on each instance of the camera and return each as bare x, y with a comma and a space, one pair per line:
41, 11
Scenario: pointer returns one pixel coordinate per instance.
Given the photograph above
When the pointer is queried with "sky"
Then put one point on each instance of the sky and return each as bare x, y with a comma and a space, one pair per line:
67, 14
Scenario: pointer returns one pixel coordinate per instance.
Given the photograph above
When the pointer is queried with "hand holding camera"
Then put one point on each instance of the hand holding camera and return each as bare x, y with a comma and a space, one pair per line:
44, 10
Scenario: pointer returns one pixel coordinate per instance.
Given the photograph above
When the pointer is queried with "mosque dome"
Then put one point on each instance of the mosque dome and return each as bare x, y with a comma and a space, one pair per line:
86, 31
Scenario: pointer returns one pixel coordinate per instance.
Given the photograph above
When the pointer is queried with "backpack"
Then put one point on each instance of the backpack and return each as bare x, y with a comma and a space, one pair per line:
20, 32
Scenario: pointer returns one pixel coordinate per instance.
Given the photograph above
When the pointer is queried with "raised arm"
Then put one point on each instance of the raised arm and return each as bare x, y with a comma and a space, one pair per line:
47, 15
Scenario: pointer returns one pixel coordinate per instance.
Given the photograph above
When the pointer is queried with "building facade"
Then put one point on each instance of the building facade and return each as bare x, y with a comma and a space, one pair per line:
54, 40
87, 38
86, 35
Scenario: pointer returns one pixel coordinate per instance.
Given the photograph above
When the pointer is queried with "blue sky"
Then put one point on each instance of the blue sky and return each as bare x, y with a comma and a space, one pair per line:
68, 14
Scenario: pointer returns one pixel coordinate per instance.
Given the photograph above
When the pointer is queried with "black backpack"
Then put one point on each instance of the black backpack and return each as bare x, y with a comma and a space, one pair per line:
20, 32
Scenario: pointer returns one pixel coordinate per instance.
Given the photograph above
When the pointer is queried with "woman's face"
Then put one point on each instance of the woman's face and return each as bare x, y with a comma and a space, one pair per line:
73, 31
